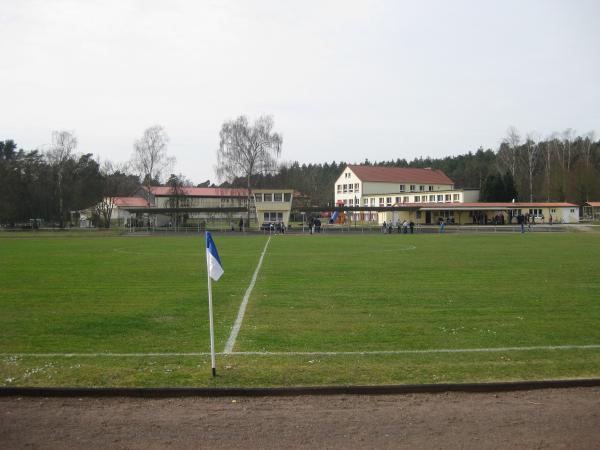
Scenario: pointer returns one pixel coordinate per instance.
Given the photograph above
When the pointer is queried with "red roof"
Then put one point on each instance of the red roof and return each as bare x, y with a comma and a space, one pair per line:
200, 192
400, 175
130, 201
500, 205
593, 204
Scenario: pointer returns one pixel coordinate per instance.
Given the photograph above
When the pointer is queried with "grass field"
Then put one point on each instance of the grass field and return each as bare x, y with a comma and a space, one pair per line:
347, 309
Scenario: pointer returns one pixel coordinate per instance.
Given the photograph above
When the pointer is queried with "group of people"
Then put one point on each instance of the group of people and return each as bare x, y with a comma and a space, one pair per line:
403, 227
314, 225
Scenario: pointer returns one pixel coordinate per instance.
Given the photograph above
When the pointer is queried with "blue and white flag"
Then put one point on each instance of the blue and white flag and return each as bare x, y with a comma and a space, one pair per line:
213, 262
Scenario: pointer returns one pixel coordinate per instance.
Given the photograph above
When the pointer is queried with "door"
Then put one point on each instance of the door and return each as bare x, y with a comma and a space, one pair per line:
428, 217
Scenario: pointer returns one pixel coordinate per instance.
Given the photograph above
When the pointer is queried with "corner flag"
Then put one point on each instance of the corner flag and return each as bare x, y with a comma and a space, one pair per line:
213, 262
214, 270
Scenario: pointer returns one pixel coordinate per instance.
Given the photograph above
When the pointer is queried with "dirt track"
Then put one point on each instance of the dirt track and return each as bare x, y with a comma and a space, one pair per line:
558, 418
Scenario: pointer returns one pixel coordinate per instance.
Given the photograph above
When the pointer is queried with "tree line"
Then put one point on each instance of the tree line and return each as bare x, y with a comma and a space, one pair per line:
52, 184
563, 167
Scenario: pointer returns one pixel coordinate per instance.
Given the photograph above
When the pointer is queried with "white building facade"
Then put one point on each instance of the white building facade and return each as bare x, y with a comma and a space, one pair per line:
375, 186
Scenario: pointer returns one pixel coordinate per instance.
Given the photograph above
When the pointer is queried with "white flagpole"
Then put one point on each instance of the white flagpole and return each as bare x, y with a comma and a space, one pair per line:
210, 315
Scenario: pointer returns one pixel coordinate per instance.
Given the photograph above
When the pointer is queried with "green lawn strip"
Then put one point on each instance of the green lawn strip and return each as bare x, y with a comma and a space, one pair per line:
309, 370
461, 291
118, 294
314, 293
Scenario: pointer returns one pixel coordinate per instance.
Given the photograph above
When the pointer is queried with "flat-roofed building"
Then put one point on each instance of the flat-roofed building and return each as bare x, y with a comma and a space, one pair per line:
273, 205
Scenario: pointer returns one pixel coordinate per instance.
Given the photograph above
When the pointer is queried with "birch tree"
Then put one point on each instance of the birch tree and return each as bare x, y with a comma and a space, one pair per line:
63, 145
246, 150
150, 158
508, 152
531, 159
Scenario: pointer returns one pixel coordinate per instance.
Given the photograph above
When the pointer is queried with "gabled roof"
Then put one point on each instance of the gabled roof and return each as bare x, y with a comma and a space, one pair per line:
130, 201
167, 191
400, 175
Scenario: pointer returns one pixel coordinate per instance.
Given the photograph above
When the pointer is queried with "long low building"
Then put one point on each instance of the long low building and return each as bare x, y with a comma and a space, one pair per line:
165, 206
485, 213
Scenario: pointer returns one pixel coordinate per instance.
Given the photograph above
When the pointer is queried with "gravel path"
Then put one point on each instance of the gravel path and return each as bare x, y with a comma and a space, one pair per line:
554, 418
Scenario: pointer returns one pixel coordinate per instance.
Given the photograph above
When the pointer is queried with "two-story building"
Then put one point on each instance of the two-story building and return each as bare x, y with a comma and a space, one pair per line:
161, 203
426, 196
374, 186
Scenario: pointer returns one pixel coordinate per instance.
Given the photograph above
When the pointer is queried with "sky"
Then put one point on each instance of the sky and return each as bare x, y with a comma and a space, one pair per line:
344, 80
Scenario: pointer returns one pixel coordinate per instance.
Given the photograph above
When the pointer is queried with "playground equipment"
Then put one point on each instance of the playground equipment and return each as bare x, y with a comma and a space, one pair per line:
337, 217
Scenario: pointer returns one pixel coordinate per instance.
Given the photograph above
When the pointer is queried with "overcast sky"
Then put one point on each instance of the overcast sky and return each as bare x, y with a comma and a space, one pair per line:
343, 80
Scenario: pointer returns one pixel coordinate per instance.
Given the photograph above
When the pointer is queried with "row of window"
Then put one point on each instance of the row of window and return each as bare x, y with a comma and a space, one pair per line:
413, 188
389, 201
273, 197
348, 188
343, 188
273, 217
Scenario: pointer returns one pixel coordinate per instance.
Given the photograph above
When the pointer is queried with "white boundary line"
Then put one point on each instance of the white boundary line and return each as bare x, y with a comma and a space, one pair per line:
366, 353
240, 317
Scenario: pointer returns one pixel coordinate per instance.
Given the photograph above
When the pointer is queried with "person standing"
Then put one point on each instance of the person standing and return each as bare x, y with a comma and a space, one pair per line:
412, 227
442, 225
521, 222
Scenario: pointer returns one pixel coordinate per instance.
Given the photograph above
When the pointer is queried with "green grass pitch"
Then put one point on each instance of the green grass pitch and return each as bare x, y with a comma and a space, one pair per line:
319, 301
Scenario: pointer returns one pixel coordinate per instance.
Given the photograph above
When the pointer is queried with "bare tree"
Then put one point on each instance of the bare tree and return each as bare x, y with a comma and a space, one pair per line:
150, 158
63, 145
177, 195
588, 140
549, 150
508, 152
568, 137
115, 183
246, 150
531, 158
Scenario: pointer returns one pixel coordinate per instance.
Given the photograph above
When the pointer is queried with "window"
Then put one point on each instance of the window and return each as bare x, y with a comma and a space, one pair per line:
258, 198
277, 197
345, 188
572, 211
440, 198
430, 188
339, 188
372, 201
418, 214
287, 197
432, 198
405, 199
388, 201
356, 187
417, 198
448, 197
401, 188
421, 188
536, 212
268, 197
381, 201
351, 202
273, 216
456, 197
397, 200
350, 187
553, 210
412, 188
365, 201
